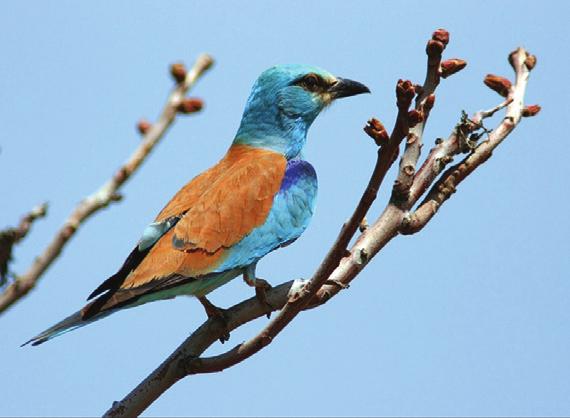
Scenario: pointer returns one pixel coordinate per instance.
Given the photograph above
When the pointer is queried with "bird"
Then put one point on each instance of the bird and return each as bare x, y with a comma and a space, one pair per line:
259, 197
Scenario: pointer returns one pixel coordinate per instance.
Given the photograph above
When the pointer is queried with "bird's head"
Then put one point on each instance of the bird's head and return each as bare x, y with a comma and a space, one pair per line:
283, 103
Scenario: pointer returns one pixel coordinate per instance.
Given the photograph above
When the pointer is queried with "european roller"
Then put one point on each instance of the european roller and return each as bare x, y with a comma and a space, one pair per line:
259, 197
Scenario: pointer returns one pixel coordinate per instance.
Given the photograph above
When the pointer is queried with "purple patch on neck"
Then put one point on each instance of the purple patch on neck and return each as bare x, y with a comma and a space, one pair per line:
294, 171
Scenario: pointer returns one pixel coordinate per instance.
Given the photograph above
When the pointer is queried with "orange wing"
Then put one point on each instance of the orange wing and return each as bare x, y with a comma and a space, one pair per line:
234, 205
220, 207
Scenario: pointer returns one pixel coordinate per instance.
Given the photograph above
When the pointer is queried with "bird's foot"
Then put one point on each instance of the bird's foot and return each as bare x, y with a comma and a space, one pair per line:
261, 286
215, 312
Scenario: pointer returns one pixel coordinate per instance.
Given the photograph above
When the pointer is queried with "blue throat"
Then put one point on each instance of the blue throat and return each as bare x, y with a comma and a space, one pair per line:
288, 138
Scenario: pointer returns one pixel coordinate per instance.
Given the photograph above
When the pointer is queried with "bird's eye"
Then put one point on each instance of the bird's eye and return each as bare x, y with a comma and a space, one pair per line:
311, 82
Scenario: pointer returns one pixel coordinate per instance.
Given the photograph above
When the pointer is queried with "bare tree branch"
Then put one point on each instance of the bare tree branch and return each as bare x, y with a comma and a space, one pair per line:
109, 192
424, 102
341, 266
11, 236
458, 140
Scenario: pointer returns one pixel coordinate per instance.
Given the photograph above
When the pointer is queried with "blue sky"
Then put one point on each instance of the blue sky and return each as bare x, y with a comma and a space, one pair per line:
469, 317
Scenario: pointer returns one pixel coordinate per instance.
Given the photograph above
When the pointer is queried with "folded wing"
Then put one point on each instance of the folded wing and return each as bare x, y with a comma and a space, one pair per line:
191, 236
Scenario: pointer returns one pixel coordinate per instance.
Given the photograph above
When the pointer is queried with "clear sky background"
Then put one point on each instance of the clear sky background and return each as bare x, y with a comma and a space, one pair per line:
469, 317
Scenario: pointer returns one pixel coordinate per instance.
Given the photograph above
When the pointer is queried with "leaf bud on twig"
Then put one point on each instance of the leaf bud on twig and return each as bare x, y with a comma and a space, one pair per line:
190, 105
500, 84
452, 66
178, 72
531, 110
376, 131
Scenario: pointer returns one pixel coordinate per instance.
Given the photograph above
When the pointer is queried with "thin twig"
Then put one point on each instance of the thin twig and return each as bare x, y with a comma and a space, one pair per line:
424, 103
444, 151
11, 236
108, 193
450, 179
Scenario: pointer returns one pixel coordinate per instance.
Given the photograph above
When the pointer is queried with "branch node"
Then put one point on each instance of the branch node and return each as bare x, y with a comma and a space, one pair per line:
361, 256
363, 226
338, 283
406, 227
296, 290
409, 170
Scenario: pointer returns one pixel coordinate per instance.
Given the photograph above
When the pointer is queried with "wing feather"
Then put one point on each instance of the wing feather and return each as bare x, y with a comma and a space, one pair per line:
238, 202
213, 211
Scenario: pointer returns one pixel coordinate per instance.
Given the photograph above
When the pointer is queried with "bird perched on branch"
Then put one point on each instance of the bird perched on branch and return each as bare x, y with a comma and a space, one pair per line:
260, 196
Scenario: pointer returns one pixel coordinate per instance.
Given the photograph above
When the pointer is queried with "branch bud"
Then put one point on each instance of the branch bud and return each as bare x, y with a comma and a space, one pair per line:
512, 57
434, 48
190, 105
500, 84
143, 126
531, 110
441, 35
178, 72
530, 62
376, 131
430, 101
404, 94
414, 117
452, 66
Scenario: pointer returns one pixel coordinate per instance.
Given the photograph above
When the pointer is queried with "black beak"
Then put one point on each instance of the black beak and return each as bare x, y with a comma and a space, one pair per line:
346, 88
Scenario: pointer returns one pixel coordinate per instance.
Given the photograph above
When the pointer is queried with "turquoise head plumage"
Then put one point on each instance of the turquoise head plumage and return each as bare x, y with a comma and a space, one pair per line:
284, 102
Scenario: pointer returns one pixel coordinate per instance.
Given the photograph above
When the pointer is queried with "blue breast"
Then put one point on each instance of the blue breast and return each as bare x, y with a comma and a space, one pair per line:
290, 215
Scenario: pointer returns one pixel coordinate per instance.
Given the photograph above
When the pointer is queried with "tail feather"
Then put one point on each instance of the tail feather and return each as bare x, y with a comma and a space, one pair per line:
70, 323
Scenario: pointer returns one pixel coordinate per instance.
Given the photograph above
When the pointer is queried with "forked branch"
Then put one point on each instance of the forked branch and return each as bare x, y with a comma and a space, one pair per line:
342, 265
109, 192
